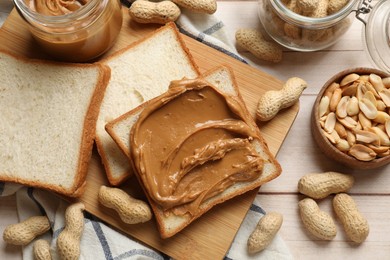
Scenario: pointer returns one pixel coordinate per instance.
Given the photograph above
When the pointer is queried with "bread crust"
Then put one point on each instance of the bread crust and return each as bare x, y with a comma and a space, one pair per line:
88, 133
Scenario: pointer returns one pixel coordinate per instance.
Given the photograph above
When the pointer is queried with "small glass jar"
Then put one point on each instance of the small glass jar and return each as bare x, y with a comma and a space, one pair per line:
78, 36
304, 33
376, 35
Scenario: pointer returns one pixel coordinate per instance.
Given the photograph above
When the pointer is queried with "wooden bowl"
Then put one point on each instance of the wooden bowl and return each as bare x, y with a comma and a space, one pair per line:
325, 145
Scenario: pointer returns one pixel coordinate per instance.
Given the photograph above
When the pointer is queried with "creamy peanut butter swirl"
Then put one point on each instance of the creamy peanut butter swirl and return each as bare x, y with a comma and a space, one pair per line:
55, 7
191, 144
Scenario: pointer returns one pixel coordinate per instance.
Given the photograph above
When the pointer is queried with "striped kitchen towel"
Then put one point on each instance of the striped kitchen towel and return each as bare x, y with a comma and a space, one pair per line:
5, 8
99, 241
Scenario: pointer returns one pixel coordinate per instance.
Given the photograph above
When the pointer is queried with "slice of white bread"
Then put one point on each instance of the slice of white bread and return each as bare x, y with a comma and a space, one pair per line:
48, 121
222, 78
138, 73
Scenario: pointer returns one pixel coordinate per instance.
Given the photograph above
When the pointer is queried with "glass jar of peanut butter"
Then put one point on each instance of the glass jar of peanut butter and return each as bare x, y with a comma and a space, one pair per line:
72, 30
304, 25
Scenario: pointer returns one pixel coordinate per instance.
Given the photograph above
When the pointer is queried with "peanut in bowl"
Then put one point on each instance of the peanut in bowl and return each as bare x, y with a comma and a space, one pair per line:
350, 119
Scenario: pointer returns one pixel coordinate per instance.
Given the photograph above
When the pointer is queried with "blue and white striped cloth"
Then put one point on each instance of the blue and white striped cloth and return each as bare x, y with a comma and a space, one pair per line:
102, 242
5, 8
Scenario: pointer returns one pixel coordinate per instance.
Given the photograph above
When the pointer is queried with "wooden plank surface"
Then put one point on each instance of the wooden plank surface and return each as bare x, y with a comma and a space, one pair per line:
203, 234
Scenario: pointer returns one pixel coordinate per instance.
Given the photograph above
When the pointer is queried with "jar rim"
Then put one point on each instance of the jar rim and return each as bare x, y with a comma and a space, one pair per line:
302, 20
58, 19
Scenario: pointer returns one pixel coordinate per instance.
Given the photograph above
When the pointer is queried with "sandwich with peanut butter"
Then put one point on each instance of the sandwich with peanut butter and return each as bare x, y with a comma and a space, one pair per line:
164, 48
193, 147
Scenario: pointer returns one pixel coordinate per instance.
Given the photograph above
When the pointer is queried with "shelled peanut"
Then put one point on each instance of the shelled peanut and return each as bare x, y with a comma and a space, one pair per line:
321, 224
129, 209
354, 116
23, 233
253, 41
41, 250
321, 185
355, 225
68, 241
264, 232
161, 12
272, 101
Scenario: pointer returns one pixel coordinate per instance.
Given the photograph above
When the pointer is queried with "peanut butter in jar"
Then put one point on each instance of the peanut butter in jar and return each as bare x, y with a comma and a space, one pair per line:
73, 30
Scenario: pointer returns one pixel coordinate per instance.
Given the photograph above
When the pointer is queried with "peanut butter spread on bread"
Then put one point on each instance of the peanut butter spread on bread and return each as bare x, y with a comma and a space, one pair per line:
191, 144
55, 7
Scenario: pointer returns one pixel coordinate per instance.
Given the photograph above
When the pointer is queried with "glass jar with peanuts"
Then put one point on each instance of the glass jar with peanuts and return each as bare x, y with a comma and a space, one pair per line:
73, 30
376, 35
307, 25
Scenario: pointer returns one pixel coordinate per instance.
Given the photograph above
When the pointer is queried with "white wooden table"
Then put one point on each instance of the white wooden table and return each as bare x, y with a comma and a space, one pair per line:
299, 154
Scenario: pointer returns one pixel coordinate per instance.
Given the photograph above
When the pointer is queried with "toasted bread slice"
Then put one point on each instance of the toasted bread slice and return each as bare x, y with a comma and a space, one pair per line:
48, 121
139, 73
170, 224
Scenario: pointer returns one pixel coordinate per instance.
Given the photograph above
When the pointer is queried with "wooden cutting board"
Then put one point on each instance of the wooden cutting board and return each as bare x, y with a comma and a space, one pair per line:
210, 236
